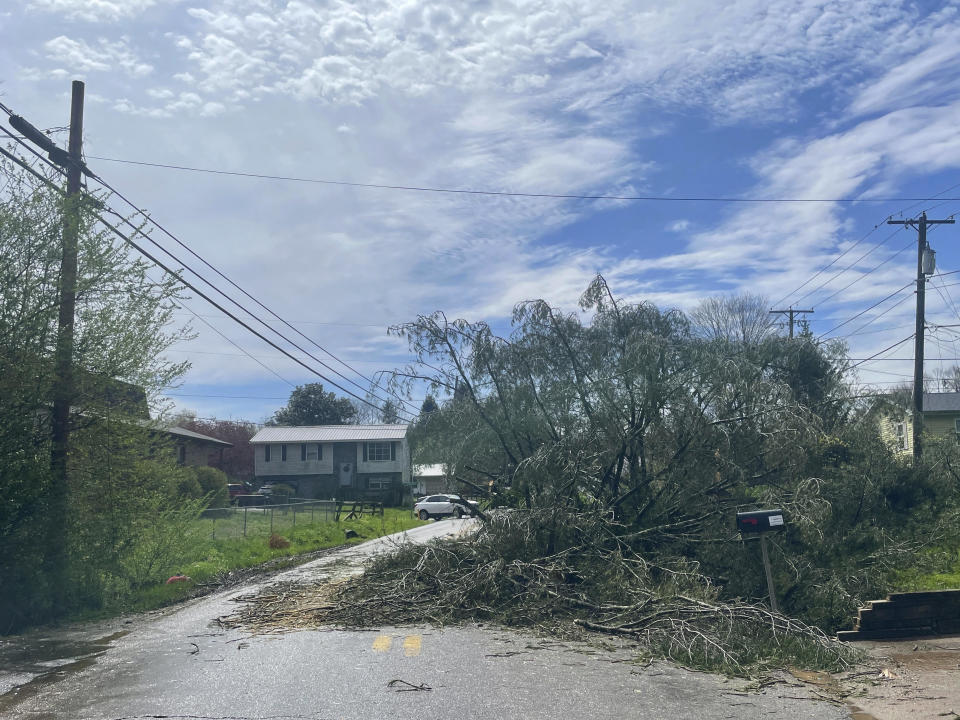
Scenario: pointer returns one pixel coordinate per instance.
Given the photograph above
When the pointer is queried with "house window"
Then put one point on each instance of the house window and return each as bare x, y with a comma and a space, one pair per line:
902, 436
303, 452
283, 453
181, 454
266, 453
378, 451
380, 483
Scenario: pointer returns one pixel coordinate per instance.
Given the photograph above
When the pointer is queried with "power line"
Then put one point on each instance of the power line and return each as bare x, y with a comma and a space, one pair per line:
886, 349
140, 232
191, 286
505, 193
255, 300
862, 312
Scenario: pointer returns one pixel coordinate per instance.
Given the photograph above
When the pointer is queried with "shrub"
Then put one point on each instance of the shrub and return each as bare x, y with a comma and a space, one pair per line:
213, 483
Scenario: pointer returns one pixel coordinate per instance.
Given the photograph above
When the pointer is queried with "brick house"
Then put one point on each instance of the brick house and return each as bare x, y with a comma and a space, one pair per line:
347, 462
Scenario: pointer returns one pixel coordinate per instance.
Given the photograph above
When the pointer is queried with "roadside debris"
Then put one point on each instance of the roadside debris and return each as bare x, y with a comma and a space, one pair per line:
561, 573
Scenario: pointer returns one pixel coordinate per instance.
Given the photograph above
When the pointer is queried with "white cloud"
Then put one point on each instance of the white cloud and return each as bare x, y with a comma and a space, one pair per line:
93, 10
582, 50
81, 57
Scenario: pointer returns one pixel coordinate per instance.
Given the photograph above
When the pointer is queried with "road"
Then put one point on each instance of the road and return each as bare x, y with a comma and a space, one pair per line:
177, 663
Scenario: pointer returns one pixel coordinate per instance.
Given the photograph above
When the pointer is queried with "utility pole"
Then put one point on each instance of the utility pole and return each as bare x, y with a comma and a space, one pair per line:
924, 253
63, 379
790, 312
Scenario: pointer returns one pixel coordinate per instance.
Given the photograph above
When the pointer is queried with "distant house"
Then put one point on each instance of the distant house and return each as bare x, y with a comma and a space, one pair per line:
193, 448
430, 479
347, 462
941, 417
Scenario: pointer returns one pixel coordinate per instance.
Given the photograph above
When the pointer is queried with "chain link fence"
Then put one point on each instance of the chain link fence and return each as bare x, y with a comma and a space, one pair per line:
264, 520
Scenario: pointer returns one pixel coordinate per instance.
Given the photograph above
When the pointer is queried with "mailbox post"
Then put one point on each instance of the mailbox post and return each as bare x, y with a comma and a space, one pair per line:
761, 522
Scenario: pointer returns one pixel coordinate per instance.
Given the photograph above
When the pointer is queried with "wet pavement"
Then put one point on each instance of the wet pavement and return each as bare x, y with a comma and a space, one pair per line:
180, 663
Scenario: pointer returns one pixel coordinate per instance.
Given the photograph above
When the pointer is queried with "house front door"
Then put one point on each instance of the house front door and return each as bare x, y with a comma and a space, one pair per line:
345, 471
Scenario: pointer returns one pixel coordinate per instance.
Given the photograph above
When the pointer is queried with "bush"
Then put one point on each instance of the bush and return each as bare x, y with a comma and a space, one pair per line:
283, 492
213, 483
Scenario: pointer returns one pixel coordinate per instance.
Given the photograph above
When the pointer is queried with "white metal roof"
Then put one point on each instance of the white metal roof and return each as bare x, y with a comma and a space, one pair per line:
428, 471
329, 433
183, 432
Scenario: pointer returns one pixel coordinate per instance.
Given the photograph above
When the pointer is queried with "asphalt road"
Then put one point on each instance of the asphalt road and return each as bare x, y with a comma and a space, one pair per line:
177, 664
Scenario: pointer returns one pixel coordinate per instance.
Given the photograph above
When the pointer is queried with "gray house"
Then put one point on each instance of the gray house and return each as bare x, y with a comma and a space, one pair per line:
347, 462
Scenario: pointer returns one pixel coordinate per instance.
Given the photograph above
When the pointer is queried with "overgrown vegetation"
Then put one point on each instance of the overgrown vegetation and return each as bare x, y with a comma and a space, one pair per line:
562, 573
210, 562
658, 427
124, 509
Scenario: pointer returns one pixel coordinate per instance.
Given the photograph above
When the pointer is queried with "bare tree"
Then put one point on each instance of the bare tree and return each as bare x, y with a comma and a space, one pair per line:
740, 318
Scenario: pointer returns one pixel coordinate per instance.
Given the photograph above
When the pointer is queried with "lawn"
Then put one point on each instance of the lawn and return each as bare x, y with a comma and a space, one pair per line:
946, 576
217, 547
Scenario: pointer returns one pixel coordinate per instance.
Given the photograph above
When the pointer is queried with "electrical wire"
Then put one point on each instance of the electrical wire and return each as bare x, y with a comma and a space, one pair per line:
143, 251
863, 312
173, 237
505, 193
886, 349
139, 231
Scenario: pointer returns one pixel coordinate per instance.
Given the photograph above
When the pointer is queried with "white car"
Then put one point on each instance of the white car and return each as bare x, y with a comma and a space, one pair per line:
435, 506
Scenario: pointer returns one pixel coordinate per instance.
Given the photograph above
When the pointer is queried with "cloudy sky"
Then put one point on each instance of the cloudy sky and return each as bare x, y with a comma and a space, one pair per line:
695, 99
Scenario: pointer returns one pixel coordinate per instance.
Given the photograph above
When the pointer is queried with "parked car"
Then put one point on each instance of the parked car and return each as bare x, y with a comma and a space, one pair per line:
235, 490
436, 506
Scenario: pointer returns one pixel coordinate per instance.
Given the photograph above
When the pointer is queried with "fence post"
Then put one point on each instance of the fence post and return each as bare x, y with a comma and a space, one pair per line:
244, 521
294, 515
312, 506
214, 533
271, 519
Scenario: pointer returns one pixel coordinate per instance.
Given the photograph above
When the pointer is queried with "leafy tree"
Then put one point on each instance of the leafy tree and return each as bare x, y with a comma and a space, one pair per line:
237, 461
429, 406
389, 415
310, 405
123, 321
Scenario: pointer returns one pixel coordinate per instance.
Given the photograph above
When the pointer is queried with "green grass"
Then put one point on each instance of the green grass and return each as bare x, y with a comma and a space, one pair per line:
946, 576
214, 549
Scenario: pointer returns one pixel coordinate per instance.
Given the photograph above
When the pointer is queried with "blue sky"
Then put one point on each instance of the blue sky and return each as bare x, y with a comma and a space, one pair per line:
793, 98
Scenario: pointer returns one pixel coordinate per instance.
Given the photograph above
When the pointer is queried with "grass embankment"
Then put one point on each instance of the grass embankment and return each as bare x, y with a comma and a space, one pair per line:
945, 576
208, 560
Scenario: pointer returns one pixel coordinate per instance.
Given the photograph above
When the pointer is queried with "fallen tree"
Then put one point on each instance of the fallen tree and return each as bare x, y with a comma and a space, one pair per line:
553, 571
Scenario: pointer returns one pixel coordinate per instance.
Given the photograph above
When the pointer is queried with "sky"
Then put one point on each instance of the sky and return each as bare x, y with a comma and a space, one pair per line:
760, 99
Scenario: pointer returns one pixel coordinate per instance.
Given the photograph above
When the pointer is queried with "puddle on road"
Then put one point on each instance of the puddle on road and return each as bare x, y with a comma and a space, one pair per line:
49, 660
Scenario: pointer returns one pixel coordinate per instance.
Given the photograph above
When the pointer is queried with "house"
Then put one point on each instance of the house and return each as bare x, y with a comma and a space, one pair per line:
193, 448
347, 462
941, 418
430, 479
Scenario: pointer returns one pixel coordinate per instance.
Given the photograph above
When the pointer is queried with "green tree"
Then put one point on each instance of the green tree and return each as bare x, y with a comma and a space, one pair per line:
123, 320
310, 404
389, 414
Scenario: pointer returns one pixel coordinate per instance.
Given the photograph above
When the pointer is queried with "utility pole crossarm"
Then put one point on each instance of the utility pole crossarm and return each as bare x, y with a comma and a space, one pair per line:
790, 312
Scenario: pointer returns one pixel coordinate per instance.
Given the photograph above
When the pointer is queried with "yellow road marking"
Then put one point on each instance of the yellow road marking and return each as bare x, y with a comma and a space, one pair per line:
382, 643
411, 645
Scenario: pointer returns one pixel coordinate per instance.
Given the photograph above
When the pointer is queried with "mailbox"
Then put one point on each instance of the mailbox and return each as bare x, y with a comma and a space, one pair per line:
759, 521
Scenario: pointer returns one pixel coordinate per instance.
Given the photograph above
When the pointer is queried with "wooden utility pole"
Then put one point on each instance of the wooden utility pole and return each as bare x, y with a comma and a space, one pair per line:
790, 312
63, 379
922, 248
